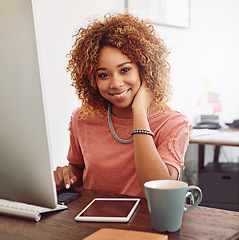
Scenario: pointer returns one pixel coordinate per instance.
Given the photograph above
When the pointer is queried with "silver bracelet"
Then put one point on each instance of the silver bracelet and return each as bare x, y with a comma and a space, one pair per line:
142, 131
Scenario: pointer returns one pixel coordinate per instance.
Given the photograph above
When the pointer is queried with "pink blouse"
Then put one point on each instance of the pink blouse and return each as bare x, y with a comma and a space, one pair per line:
108, 164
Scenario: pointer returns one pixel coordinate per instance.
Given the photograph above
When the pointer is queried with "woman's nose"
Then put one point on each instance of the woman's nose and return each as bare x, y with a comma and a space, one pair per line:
116, 82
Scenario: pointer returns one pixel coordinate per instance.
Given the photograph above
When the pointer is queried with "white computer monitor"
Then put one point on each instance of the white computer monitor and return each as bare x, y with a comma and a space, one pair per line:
26, 173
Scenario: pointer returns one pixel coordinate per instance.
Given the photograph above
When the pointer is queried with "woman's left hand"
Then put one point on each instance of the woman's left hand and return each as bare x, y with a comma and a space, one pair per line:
143, 98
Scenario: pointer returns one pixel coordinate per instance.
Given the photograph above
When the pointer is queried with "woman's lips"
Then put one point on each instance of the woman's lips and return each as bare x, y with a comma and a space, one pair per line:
119, 94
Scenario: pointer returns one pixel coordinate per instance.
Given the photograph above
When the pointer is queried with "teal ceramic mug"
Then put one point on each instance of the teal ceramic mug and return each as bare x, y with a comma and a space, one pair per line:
166, 203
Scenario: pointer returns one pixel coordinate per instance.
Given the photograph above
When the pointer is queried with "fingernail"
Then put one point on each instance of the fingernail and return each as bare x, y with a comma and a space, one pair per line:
67, 186
72, 181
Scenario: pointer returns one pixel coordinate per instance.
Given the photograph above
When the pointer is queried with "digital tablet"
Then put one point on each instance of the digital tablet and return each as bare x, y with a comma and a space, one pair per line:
109, 210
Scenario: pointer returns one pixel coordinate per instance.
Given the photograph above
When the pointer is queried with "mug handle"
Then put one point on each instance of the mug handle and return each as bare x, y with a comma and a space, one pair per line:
199, 199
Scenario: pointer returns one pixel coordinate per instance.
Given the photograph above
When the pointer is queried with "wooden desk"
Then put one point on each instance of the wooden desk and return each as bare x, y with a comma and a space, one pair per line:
200, 223
223, 137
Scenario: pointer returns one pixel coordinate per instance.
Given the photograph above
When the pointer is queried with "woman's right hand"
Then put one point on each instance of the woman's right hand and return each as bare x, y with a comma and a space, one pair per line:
64, 177
143, 98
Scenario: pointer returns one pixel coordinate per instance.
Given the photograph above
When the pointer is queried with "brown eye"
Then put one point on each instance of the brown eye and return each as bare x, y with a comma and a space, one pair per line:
103, 75
124, 70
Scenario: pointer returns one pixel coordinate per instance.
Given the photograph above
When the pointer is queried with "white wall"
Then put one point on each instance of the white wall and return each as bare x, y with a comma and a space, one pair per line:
204, 58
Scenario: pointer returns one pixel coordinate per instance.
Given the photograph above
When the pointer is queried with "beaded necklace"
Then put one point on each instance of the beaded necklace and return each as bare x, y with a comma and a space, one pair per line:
112, 128
113, 131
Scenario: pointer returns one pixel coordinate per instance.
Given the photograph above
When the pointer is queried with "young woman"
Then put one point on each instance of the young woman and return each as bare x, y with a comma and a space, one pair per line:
124, 134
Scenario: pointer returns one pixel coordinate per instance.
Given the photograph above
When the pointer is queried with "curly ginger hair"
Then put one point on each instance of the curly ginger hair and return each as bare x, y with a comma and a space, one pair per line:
135, 38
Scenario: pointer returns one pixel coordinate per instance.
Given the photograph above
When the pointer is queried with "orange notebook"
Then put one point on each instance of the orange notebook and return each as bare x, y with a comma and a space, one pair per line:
120, 234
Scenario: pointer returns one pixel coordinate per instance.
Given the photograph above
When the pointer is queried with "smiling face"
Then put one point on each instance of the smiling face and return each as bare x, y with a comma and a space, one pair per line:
117, 79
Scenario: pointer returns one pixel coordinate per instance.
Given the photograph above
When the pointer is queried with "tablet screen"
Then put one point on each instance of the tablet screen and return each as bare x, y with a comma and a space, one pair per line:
109, 208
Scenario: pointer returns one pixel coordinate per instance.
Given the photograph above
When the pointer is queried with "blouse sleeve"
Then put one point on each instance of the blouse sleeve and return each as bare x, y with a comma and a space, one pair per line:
74, 154
173, 141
